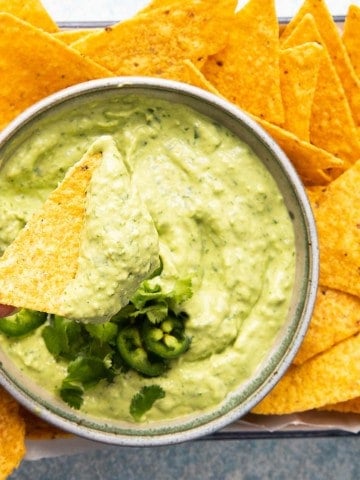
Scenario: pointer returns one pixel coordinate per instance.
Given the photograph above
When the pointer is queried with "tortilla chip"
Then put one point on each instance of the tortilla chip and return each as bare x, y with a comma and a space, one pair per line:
349, 406
331, 38
247, 70
12, 435
315, 194
336, 317
31, 11
351, 37
332, 126
187, 72
320, 381
38, 429
71, 36
34, 64
299, 67
154, 4
313, 164
152, 43
338, 224
42, 260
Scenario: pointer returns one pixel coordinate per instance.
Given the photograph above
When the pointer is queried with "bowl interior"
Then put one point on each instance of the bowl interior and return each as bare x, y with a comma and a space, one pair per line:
288, 341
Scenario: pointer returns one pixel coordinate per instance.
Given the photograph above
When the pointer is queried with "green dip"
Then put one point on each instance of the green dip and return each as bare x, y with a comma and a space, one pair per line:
119, 245
220, 219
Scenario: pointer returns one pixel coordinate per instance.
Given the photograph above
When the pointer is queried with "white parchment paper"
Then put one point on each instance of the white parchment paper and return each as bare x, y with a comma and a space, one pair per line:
307, 423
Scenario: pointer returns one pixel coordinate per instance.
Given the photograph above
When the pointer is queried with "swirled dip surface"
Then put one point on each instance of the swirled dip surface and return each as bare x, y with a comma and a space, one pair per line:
221, 221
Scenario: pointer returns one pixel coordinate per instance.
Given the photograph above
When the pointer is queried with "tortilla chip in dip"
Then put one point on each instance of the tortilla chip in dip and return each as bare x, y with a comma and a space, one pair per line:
250, 62
69, 245
42, 260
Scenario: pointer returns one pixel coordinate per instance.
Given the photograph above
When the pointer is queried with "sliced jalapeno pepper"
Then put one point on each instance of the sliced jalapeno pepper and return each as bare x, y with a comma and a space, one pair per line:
22, 322
131, 349
166, 339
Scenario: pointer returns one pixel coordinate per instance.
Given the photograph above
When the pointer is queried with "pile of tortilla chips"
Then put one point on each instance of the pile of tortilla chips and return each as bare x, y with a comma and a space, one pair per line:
301, 82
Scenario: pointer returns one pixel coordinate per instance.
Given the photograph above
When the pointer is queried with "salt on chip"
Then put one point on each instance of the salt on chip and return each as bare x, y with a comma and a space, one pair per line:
35, 64
338, 224
351, 37
332, 126
152, 43
299, 67
332, 39
31, 11
336, 317
12, 435
330, 377
313, 164
247, 70
36, 267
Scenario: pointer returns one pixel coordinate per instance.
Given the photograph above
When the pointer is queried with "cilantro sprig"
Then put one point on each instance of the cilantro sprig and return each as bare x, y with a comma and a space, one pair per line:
95, 352
144, 400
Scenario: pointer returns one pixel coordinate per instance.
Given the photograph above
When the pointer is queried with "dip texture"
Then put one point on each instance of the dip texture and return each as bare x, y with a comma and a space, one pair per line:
119, 244
221, 222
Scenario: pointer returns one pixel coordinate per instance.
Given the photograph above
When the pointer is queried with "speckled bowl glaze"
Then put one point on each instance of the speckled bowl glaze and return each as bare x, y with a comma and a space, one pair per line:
246, 396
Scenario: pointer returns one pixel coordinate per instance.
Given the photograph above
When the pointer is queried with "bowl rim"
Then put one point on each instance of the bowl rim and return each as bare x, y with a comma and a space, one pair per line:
151, 437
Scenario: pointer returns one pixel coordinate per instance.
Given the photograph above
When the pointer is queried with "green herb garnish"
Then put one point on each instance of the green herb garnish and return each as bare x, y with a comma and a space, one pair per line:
144, 336
83, 373
144, 400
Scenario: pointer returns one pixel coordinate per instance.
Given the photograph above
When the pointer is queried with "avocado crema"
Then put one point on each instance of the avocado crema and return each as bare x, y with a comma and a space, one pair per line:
219, 219
119, 245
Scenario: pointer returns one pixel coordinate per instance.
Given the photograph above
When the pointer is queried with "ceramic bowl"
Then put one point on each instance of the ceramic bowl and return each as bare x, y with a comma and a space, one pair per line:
246, 396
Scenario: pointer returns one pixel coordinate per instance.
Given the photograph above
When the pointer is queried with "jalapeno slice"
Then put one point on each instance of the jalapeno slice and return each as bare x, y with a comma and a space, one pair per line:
132, 351
166, 339
22, 322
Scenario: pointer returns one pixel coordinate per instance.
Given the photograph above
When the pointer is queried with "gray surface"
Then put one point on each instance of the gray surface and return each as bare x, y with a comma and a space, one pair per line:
278, 459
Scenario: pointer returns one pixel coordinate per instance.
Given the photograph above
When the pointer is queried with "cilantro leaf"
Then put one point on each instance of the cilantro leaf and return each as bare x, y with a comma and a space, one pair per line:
63, 337
182, 291
72, 394
146, 293
83, 373
152, 301
144, 400
104, 332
